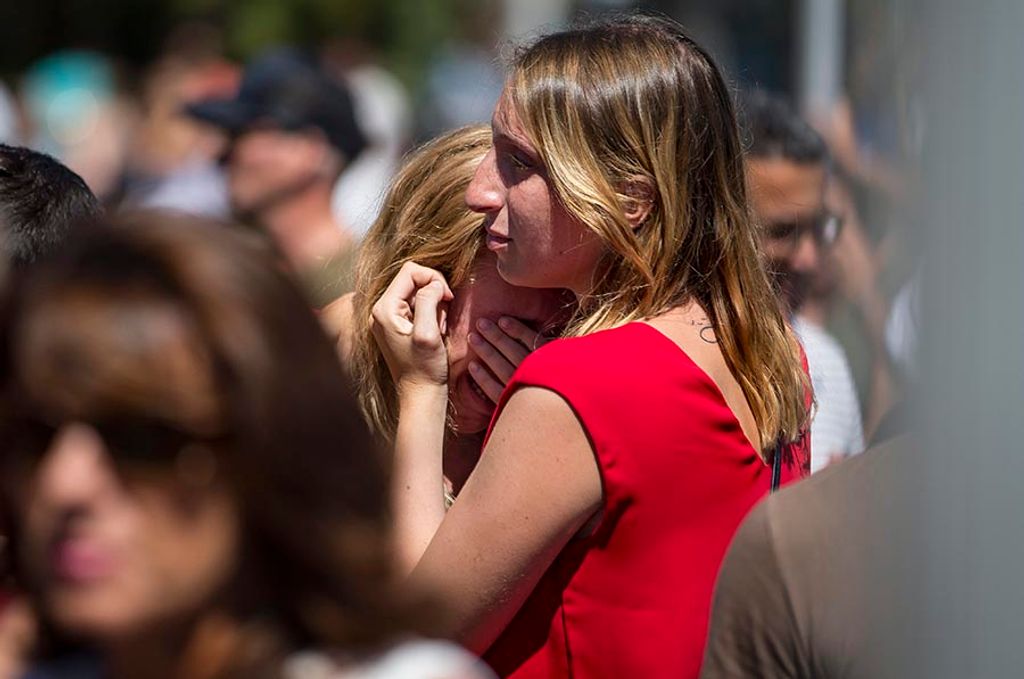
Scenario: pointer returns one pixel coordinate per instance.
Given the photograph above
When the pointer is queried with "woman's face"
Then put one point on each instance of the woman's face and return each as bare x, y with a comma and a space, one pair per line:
486, 295
113, 549
537, 242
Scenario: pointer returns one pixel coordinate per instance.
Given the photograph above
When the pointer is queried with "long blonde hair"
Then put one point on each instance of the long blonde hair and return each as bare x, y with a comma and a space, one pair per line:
424, 219
635, 102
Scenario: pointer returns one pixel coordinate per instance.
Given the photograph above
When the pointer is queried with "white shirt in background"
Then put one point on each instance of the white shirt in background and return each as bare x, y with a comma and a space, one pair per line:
419, 659
385, 115
837, 429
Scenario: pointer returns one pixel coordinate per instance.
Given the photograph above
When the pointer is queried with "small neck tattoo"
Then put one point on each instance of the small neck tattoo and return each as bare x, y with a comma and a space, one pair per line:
707, 331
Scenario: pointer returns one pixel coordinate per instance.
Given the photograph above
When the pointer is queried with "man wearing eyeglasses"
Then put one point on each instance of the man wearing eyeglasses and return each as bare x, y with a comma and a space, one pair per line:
787, 174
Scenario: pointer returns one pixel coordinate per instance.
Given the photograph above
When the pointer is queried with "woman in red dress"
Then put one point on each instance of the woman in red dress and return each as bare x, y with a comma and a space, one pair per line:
622, 458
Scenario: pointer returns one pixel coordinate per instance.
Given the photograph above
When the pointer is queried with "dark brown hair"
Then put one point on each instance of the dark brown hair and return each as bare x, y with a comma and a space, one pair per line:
90, 333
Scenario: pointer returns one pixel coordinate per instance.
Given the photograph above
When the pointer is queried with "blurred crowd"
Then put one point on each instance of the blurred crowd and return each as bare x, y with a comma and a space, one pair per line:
125, 129
186, 135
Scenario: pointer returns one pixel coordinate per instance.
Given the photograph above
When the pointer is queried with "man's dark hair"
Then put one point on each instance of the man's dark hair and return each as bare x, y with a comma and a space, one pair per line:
770, 128
41, 202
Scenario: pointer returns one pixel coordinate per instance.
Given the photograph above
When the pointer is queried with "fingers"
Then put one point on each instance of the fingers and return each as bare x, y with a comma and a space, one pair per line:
394, 309
427, 320
513, 338
486, 381
500, 365
411, 277
408, 322
392, 316
501, 348
510, 347
524, 334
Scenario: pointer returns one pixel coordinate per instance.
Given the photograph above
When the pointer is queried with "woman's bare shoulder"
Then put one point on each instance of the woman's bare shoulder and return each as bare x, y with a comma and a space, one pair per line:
337, 319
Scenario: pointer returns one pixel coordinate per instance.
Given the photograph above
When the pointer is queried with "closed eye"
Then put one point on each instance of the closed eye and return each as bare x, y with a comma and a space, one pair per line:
520, 163
513, 157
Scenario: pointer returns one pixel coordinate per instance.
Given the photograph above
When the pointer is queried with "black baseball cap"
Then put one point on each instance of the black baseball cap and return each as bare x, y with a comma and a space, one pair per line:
288, 89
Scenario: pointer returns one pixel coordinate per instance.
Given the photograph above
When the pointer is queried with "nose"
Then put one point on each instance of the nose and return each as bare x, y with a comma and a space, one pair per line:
75, 471
485, 193
807, 255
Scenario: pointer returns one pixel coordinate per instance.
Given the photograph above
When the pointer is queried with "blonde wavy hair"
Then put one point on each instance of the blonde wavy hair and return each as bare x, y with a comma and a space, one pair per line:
424, 219
634, 102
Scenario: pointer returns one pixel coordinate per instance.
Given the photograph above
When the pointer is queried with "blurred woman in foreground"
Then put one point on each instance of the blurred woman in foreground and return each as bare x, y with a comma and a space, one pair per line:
190, 489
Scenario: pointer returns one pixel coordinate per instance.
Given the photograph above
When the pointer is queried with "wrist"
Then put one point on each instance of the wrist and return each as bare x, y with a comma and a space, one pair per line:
421, 393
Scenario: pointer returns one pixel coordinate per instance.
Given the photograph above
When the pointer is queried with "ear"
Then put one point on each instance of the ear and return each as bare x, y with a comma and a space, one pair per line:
639, 201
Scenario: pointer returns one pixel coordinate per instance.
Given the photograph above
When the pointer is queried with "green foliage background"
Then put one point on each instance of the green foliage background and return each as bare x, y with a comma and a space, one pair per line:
404, 31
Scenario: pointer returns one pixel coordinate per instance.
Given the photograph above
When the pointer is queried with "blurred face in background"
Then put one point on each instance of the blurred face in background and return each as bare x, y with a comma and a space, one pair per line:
266, 166
788, 200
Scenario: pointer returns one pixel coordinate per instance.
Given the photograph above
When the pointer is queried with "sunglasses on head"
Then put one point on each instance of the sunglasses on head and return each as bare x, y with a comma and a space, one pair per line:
824, 228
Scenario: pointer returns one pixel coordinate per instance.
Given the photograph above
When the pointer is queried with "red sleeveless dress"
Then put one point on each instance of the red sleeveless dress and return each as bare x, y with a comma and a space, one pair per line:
633, 599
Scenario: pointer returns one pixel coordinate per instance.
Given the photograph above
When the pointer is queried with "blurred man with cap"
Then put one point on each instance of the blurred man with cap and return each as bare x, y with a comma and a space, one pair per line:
292, 131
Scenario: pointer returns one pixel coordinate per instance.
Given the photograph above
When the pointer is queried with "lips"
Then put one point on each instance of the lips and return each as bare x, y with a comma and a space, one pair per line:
81, 561
496, 243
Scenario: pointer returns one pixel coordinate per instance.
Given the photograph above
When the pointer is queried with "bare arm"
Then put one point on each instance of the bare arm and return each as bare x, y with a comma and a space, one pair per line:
536, 485
337, 319
408, 322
